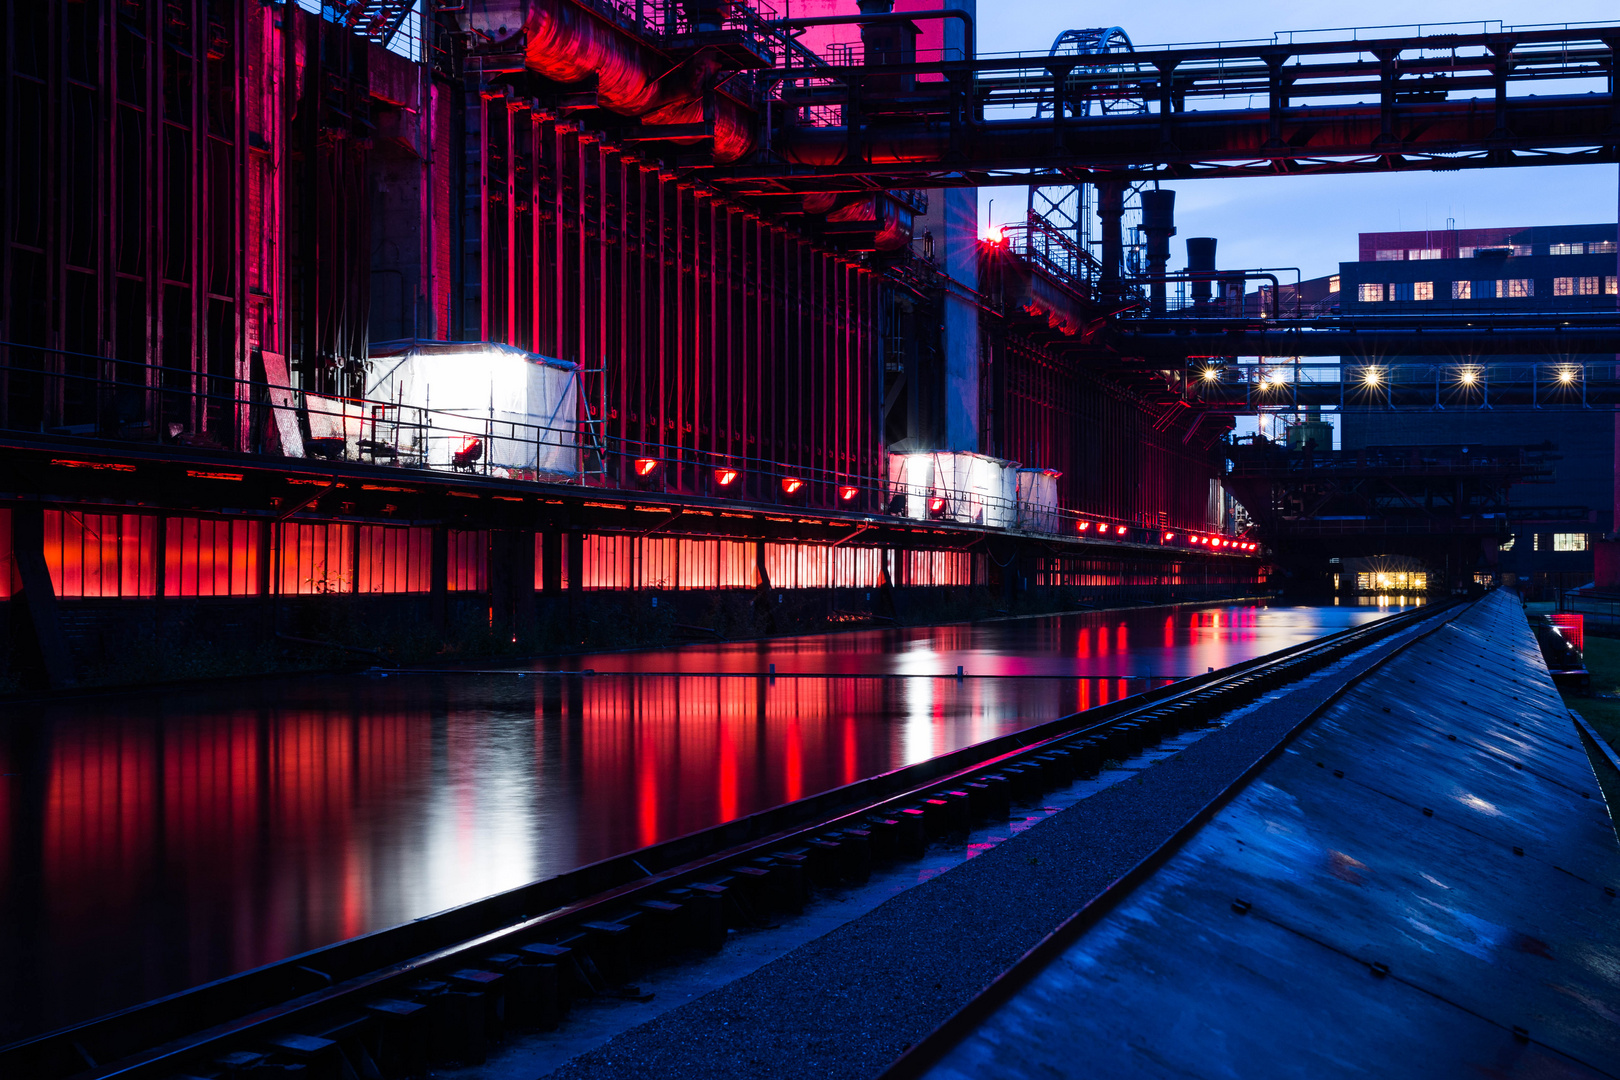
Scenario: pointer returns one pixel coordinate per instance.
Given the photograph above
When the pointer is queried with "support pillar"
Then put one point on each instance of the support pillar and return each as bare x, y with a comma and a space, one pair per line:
1111, 212
39, 647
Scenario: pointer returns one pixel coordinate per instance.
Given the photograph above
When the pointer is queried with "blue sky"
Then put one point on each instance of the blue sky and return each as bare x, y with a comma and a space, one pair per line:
1312, 222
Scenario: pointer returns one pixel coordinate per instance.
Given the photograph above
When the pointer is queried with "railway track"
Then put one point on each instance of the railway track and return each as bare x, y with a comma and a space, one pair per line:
443, 988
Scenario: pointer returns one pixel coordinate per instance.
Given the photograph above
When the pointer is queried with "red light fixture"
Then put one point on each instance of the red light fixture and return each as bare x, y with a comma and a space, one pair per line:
725, 477
936, 505
1169, 536
1120, 530
848, 493
646, 466
791, 485
1084, 525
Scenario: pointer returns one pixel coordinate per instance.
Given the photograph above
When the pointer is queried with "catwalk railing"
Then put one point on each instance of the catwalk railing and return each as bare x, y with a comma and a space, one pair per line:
76, 395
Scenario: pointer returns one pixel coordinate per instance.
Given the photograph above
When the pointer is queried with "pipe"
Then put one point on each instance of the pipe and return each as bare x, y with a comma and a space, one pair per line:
1158, 225
1377, 346
965, 17
567, 44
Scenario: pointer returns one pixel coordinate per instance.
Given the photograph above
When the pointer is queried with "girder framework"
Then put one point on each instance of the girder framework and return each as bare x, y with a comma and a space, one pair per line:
1442, 102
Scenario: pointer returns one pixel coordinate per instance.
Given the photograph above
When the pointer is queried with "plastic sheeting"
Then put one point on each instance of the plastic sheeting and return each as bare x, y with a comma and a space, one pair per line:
975, 489
1038, 500
519, 406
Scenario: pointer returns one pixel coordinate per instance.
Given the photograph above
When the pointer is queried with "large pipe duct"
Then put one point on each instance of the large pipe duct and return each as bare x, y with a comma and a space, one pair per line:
1111, 213
1201, 266
567, 44
1158, 225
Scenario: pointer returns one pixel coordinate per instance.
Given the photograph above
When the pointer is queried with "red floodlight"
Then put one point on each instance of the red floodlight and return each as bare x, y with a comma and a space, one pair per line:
791, 485
848, 493
1120, 530
646, 466
726, 477
1084, 525
936, 505
1169, 536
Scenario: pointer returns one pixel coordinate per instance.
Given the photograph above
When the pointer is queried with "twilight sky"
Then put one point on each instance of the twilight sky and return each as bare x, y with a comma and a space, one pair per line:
1312, 222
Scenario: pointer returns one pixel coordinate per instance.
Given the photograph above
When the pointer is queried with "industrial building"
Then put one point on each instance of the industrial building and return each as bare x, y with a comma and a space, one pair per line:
240, 236
1555, 521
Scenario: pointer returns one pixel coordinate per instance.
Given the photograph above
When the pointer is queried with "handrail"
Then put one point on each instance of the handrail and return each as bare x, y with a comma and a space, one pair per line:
764, 480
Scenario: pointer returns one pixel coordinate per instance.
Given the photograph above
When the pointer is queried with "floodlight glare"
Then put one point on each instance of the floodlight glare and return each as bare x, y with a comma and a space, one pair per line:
1566, 375
1371, 377
1467, 376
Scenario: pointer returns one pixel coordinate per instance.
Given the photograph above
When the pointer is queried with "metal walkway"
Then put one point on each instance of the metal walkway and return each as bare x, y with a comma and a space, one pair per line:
1420, 883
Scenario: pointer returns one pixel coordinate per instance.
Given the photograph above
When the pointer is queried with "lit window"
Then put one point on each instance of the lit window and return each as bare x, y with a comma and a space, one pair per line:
1569, 541
1609, 284
1519, 287
1563, 286
1521, 249
1333, 283
1465, 253
1535, 541
1370, 293
1600, 247
1423, 253
1566, 249
1588, 286
1462, 290
1423, 290
1389, 255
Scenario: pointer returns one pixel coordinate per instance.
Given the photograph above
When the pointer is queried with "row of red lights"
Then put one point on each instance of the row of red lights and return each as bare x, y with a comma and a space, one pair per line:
726, 477
792, 485
1216, 542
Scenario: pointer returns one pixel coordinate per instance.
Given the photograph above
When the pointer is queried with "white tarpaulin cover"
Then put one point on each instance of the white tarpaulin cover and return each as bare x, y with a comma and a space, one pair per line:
1038, 500
977, 489
520, 405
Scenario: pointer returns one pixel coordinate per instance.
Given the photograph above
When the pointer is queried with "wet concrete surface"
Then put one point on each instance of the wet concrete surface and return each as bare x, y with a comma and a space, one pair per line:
1422, 885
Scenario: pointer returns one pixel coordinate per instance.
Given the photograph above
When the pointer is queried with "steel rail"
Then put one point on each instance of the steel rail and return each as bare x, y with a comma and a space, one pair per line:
929, 1050
160, 1037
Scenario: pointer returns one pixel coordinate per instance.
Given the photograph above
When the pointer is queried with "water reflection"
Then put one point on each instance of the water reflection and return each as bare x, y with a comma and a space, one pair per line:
154, 841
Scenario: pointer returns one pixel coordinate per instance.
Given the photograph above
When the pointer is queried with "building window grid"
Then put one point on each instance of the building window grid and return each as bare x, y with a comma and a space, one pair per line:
467, 567
101, 555
314, 558
395, 559
1576, 541
210, 557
